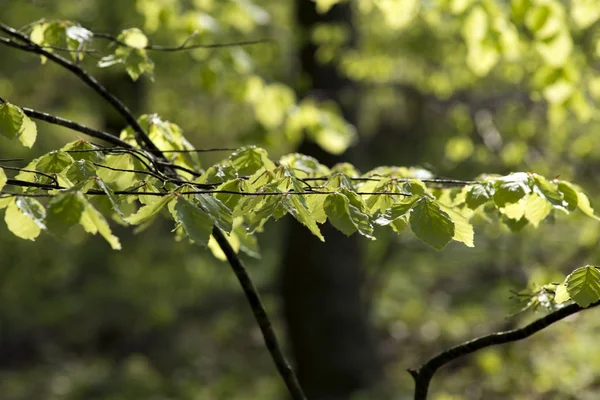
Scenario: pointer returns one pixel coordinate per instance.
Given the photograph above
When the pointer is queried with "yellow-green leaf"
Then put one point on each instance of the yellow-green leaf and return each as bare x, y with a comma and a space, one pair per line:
20, 224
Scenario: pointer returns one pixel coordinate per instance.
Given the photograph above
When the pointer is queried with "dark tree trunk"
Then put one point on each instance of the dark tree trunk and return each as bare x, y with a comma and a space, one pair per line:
331, 339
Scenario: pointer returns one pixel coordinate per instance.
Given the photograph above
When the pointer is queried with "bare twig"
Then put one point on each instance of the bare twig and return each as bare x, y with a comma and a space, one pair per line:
423, 375
184, 46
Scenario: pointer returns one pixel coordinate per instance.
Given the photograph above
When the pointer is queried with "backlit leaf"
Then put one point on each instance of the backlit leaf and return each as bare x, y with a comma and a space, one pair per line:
196, 223
583, 285
64, 211
148, 211
431, 224
20, 224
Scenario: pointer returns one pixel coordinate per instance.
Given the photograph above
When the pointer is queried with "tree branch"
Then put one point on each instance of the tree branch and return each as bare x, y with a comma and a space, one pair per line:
260, 314
423, 375
29, 46
145, 142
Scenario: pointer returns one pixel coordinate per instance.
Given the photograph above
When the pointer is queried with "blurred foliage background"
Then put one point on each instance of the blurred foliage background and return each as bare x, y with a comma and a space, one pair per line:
461, 87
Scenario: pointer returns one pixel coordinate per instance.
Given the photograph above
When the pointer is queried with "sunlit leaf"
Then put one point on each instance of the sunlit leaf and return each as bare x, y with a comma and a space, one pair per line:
196, 223
583, 285
21, 224
561, 294
64, 212
537, 208
54, 162
148, 211
221, 215
298, 210
11, 120
510, 189
94, 222
338, 213
431, 224
3, 178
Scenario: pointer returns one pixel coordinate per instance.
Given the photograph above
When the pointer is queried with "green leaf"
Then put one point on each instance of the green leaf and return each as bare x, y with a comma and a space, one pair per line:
248, 160
19, 223
111, 196
148, 211
256, 219
134, 37
54, 162
583, 285
138, 63
584, 205
537, 208
220, 214
83, 150
81, 170
64, 212
93, 222
337, 209
3, 179
118, 161
33, 209
28, 132
230, 200
569, 195
547, 190
295, 207
11, 120
510, 189
248, 242
431, 224
463, 230
196, 223
516, 210
476, 196
316, 206
561, 294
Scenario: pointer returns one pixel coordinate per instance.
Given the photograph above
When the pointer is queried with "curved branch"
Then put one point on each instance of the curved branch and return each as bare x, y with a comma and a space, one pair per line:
423, 375
95, 133
29, 46
260, 314
145, 142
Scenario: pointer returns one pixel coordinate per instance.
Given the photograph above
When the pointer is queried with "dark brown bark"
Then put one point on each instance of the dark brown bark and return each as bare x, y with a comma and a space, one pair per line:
326, 317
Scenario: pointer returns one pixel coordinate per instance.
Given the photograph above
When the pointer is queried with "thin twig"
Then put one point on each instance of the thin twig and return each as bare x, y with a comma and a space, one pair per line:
423, 375
183, 47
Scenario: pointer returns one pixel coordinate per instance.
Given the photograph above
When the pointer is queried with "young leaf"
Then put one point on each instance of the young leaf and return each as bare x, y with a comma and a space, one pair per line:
150, 210
316, 207
463, 230
93, 222
337, 209
510, 189
111, 196
196, 223
54, 162
561, 294
584, 205
81, 170
33, 209
583, 285
430, 223
537, 208
230, 200
569, 195
547, 190
295, 206
3, 178
19, 223
134, 37
248, 160
28, 132
118, 161
83, 150
11, 120
220, 214
64, 211
476, 196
